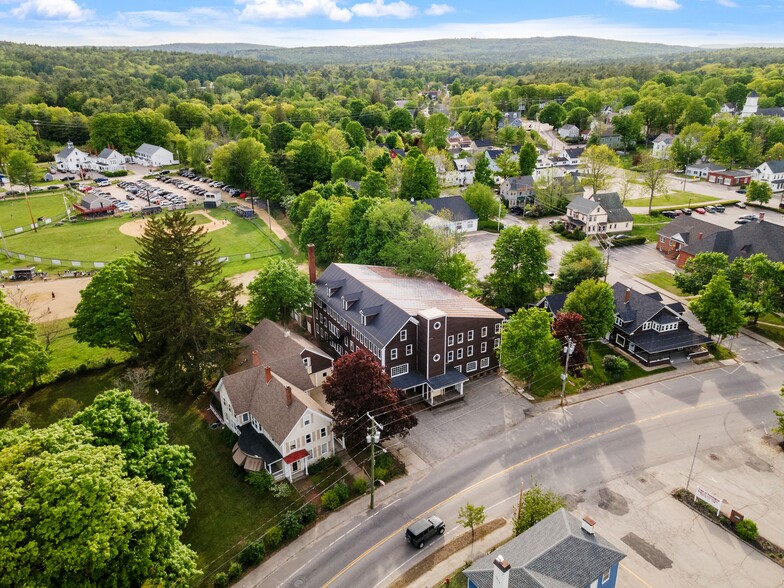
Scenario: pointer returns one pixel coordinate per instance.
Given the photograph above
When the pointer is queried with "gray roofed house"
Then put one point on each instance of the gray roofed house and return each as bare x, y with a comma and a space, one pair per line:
70, 158
743, 241
292, 357
517, 190
153, 156
553, 302
281, 429
451, 212
598, 215
558, 552
772, 173
681, 231
661, 146
651, 330
422, 331
701, 169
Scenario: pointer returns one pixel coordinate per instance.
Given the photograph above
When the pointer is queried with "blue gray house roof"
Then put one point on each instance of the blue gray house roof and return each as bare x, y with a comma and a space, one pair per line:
456, 205
611, 202
554, 553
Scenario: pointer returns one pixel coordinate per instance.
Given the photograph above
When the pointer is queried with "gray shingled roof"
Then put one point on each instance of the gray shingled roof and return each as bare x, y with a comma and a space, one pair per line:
517, 183
640, 308
687, 228
611, 202
459, 208
147, 149
250, 392
66, 152
707, 165
664, 138
775, 111
107, 153
393, 297
776, 165
574, 152
744, 241
281, 351
582, 205
556, 552
553, 302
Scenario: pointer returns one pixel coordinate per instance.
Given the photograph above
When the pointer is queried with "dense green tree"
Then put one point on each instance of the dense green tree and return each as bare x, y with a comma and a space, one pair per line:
185, 312
22, 358
579, 117
698, 271
127, 130
315, 230
482, 173
535, 505
64, 491
457, 271
278, 290
759, 192
308, 162
116, 418
594, 301
104, 316
717, 308
373, 185
597, 162
268, 182
419, 180
356, 134
527, 158
684, 151
436, 131
300, 206
281, 135
232, 163
348, 168
581, 262
21, 169
400, 119
528, 348
519, 265
482, 201
629, 127
552, 114
374, 116
732, 149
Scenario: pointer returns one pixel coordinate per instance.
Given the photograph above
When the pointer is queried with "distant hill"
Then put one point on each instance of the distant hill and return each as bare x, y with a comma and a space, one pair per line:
533, 50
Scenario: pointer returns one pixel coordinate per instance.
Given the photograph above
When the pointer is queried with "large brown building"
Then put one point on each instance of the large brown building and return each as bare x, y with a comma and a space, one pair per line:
427, 336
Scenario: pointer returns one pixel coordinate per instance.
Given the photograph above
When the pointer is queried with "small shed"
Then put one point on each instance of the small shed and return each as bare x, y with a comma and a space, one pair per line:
243, 212
23, 273
212, 200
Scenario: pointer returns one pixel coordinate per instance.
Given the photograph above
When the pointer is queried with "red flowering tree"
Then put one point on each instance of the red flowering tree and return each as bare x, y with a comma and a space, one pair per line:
570, 325
359, 385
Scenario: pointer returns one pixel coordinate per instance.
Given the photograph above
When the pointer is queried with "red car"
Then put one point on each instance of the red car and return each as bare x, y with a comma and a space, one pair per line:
700, 211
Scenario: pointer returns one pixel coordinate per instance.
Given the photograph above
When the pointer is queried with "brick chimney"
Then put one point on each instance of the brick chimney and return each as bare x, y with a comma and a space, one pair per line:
761, 216
255, 358
628, 296
268, 373
699, 236
312, 262
588, 524
287, 395
501, 569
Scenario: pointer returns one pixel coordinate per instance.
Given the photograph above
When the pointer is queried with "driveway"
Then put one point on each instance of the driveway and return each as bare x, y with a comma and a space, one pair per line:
491, 407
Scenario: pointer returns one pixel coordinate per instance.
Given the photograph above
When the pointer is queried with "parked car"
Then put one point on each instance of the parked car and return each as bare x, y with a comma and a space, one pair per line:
700, 211
710, 209
719, 208
53, 187
621, 236
741, 204
750, 217
741, 190
423, 530
687, 211
742, 221
669, 213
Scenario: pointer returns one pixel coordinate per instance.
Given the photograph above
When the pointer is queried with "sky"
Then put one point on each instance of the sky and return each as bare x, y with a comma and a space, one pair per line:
297, 23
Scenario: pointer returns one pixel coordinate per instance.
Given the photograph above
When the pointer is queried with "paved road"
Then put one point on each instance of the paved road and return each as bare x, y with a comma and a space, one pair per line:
581, 447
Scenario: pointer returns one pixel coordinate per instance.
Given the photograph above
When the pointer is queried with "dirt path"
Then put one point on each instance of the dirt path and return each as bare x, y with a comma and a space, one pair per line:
36, 298
135, 228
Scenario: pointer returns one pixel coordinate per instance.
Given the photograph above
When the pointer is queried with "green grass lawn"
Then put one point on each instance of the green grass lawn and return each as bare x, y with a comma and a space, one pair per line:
678, 198
647, 226
663, 280
68, 354
101, 240
14, 212
774, 333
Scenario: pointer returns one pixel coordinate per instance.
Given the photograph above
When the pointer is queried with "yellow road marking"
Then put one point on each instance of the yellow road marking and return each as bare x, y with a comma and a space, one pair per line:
505, 471
640, 580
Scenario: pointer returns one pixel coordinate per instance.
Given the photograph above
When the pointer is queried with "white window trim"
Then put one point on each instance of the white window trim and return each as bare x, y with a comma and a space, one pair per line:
471, 366
399, 370
450, 356
409, 349
450, 340
485, 362
403, 335
393, 354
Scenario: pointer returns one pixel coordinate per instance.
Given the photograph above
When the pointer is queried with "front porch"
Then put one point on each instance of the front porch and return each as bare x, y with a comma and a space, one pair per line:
436, 391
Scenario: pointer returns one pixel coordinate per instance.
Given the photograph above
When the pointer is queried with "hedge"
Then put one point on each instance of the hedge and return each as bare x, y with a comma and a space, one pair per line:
626, 241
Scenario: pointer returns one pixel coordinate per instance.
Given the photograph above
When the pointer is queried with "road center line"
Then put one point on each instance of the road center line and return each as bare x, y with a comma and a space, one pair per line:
529, 460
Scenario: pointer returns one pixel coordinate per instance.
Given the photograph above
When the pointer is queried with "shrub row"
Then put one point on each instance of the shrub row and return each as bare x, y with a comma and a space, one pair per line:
626, 241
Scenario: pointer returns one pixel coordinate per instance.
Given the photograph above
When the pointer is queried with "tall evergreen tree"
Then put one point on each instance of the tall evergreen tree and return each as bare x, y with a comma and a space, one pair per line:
184, 309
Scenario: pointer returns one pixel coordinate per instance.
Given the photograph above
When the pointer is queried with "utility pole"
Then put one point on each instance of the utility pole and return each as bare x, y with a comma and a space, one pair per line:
688, 481
5, 247
568, 349
498, 227
269, 216
30, 210
373, 437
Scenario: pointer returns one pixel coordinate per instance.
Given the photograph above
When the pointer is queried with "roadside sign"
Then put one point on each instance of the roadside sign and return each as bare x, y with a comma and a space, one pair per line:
706, 496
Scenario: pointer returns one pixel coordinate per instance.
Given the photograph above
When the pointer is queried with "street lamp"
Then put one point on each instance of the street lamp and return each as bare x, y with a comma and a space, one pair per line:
373, 436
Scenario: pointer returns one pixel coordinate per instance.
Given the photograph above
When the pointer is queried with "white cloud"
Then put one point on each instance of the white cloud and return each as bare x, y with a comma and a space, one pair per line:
288, 9
54, 9
727, 3
439, 9
379, 8
655, 4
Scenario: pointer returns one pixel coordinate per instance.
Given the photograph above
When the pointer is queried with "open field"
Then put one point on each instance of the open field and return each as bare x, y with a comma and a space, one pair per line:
647, 226
101, 240
678, 198
14, 212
